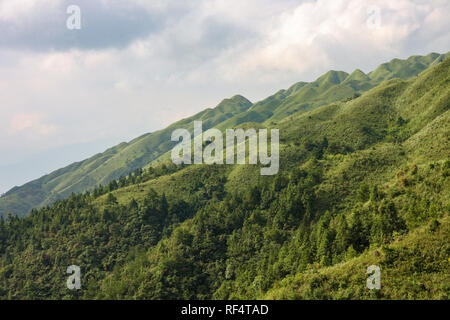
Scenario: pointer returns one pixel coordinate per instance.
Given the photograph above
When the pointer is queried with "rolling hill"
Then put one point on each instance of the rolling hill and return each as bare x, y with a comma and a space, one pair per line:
125, 158
363, 180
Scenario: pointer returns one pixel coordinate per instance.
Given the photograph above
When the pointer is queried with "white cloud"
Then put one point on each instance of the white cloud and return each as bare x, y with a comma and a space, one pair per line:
323, 34
32, 123
13, 10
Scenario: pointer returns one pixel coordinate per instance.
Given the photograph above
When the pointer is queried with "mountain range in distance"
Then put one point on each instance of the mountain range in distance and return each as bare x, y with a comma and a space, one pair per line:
363, 181
152, 148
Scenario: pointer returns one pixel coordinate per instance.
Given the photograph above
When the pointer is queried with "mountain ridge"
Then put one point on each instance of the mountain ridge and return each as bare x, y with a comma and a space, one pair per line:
126, 157
362, 181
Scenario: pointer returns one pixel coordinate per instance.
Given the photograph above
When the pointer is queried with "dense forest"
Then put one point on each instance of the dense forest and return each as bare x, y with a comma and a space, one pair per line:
363, 180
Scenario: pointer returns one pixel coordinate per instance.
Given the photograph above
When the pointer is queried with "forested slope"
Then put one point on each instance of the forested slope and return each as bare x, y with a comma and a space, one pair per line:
362, 181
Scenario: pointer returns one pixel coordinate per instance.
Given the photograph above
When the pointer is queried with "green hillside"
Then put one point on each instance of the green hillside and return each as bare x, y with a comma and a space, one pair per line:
363, 180
405, 68
413, 267
331, 87
125, 158
111, 164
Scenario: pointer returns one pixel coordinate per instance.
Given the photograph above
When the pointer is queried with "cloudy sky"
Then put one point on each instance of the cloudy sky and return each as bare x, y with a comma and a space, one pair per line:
136, 66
